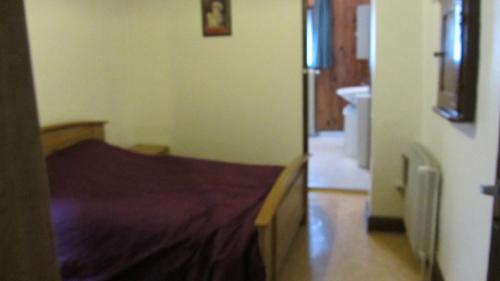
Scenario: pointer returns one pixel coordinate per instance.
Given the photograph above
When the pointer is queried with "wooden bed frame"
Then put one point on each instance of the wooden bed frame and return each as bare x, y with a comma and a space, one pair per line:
279, 219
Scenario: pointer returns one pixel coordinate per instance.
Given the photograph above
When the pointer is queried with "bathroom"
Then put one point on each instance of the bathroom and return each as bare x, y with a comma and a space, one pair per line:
339, 100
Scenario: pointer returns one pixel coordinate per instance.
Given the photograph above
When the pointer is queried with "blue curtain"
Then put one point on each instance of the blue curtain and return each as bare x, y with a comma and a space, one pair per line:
321, 37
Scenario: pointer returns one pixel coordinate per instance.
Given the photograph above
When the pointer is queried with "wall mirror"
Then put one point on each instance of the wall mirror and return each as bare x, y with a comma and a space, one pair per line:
459, 59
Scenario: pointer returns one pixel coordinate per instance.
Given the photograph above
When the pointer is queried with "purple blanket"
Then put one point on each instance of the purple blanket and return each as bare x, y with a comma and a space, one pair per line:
122, 216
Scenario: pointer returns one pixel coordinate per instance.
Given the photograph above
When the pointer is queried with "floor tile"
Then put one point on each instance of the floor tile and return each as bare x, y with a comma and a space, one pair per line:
336, 247
329, 167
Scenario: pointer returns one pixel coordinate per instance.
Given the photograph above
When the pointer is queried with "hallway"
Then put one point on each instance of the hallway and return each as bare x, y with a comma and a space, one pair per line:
336, 247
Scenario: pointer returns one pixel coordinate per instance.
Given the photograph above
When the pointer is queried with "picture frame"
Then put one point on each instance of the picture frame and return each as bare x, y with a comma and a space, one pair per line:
216, 17
459, 60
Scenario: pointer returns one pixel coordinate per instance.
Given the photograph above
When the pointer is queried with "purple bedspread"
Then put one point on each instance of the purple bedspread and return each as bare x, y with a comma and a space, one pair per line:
118, 215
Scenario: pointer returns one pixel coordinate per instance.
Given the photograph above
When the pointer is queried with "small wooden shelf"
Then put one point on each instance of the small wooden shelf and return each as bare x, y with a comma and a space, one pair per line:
151, 149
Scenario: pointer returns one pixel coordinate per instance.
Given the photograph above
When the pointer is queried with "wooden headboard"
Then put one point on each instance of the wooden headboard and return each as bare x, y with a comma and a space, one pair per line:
61, 136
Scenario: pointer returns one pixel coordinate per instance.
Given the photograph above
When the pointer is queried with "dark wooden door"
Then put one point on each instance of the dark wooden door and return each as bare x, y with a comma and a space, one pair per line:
494, 264
346, 70
26, 246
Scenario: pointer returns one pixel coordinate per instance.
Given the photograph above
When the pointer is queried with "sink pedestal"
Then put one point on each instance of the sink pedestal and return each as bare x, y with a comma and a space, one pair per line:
350, 129
356, 122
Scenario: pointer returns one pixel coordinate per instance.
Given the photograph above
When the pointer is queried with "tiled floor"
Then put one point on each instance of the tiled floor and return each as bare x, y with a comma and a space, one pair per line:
336, 247
329, 167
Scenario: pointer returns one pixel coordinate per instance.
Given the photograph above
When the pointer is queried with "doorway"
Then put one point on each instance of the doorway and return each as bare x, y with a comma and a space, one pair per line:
494, 263
338, 127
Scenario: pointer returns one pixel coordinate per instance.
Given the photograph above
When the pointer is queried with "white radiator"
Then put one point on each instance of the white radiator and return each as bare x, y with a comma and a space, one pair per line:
422, 189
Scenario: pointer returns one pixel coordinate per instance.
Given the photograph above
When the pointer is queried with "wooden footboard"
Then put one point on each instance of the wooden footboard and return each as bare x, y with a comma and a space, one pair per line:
284, 209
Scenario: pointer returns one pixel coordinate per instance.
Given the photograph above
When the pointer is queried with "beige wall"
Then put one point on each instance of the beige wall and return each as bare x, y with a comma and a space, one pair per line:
145, 67
239, 98
405, 90
396, 105
105, 60
467, 152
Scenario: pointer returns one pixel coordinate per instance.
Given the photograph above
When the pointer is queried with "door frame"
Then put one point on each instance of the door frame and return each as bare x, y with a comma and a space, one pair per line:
28, 251
305, 98
494, 260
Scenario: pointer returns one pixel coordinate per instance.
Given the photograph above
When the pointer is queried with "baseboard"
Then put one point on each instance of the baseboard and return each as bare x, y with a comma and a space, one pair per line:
437, 274
386, 224
339, 190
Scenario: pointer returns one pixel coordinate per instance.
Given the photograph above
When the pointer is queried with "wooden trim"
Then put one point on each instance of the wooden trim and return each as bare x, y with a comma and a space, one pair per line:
386, 224
437, 274
279, 191
69, 125
283, 212
494, 254
61, 136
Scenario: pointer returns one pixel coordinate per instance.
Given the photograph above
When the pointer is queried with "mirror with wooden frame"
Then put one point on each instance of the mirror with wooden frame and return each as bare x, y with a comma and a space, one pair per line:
459, 60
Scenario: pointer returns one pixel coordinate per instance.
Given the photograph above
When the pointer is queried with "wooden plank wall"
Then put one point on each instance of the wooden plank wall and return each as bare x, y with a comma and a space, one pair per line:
346, 69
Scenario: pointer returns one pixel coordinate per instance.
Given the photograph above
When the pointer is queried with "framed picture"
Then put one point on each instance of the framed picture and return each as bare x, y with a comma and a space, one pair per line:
216, 15
459, 60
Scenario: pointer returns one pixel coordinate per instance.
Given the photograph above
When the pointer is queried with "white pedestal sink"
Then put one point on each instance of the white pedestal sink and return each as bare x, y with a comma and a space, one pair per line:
350, 95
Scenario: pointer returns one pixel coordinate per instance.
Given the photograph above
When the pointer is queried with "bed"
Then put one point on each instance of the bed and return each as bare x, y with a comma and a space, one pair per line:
115, 220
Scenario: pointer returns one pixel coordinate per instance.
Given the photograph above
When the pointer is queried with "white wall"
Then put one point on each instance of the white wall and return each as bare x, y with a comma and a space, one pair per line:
467, 152
239, 98
397, 102
145, 67
405, 91
106, 60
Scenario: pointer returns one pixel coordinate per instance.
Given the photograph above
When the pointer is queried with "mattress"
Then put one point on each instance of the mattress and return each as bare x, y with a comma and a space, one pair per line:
119, 215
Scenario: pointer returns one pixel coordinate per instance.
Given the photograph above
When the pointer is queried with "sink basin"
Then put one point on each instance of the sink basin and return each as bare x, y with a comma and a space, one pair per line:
350, 94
